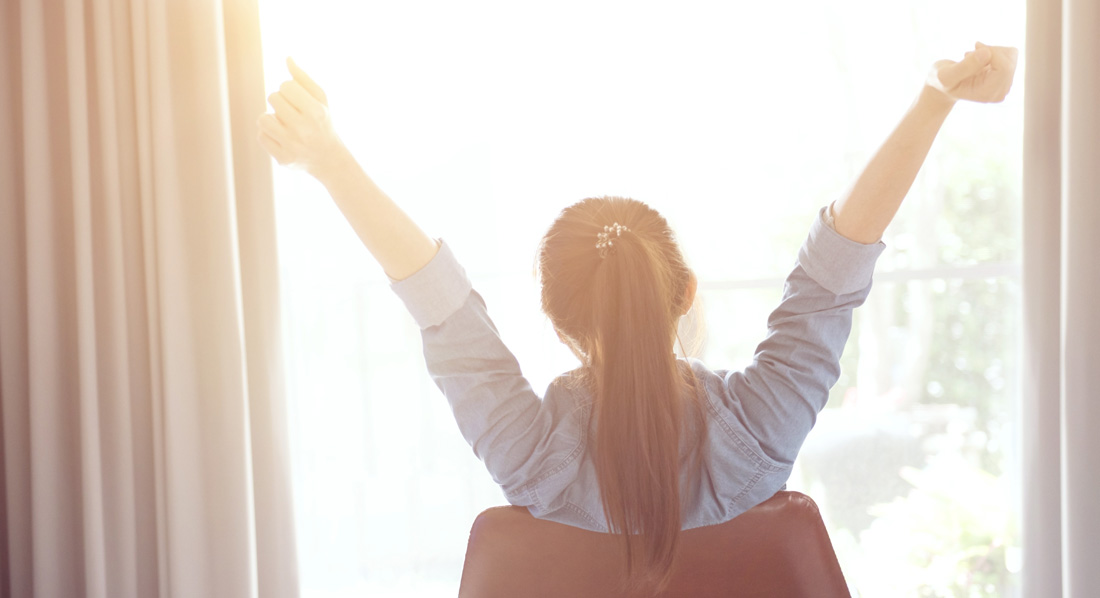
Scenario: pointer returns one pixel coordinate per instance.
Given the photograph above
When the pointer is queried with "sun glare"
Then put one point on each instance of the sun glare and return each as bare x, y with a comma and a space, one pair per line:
484, 119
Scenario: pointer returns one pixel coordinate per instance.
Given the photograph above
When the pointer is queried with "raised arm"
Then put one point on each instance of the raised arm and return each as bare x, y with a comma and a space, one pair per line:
779, 395
984, 75
497, 412
299, 132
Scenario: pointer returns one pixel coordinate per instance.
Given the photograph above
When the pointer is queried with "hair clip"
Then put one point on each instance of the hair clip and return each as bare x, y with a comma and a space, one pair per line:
605, 242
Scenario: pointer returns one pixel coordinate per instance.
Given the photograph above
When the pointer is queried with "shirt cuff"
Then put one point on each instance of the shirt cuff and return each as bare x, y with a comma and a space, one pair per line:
827, 216
435, 291
837, 263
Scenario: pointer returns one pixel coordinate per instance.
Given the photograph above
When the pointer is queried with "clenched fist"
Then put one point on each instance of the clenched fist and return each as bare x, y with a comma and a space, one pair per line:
984, 75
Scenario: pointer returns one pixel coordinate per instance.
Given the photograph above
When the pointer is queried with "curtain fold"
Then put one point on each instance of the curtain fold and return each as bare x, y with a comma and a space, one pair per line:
142, 422
1061, 448
1081, 296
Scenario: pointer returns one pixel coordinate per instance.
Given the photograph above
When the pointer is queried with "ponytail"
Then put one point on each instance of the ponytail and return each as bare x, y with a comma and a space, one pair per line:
638, 416
618, 307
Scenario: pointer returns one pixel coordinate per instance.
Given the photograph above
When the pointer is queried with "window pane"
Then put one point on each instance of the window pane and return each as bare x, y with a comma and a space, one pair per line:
485, 118
914, 463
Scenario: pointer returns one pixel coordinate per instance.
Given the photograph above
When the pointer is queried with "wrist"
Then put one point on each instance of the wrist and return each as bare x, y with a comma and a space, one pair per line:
333, 165
935, 99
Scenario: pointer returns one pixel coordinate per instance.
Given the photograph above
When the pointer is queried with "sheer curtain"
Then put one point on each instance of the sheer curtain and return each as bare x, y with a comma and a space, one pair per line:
1061, 523
141, 396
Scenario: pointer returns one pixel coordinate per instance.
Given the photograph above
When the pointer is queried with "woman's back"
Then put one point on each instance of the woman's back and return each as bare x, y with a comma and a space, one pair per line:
541, 451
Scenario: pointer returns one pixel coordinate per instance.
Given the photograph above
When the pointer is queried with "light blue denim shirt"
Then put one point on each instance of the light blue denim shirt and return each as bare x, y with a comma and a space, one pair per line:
758, 418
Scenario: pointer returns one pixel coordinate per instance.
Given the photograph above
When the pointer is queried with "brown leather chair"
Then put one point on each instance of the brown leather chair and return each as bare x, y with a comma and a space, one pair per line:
777, 549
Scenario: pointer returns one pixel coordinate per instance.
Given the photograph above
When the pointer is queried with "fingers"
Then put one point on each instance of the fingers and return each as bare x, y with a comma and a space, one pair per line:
299, 131
1004, 64
306, 82
1002, 69
974, 62
1004, 57
270, 126
284, 112
301, 100
272, 147
984, 75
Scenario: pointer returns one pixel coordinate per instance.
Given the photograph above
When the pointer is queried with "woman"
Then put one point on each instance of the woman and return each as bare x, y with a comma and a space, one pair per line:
634, 442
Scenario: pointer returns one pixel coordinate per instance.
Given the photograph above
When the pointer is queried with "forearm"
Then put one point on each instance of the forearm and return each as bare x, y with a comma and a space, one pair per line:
395, 241
864, 212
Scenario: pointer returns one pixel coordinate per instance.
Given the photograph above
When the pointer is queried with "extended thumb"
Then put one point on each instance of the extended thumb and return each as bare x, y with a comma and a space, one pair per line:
306, 81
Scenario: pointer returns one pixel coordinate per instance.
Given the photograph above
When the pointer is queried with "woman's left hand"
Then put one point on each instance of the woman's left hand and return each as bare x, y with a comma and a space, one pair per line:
984, 75
299, 131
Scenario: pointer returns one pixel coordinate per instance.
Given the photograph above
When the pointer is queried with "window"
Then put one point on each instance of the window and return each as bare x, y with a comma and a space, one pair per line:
486, 118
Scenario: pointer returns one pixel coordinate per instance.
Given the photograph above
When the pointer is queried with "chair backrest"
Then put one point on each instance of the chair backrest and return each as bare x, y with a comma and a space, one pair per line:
777, 549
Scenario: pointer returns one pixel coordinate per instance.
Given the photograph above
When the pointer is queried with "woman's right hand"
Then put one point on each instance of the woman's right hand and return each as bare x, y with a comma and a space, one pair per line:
299, 131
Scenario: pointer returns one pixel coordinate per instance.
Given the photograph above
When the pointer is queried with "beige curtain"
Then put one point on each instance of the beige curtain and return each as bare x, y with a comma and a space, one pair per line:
141, 402
1061, 401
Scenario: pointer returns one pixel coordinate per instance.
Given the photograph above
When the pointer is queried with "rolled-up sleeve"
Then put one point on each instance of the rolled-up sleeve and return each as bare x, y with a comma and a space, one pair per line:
498, 413
435, 291
837, 263
779, 395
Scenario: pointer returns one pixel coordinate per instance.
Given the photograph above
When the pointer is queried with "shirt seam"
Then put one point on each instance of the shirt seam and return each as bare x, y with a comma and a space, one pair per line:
531, 486
577, 509
760, 460
565, 462
746, 488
